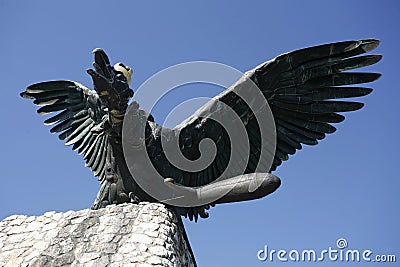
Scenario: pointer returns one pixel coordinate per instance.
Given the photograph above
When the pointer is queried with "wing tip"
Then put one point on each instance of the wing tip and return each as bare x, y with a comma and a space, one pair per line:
378, 58
41, 112
357, 106
366, 91
26, 95
376, 76
50, 121
372, 59
369, 44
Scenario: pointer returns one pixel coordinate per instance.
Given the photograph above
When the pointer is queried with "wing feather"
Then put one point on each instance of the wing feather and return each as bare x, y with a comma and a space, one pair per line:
79, 111
305, 91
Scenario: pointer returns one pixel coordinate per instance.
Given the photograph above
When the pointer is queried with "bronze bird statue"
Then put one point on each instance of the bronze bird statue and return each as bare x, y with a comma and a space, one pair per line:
301, 88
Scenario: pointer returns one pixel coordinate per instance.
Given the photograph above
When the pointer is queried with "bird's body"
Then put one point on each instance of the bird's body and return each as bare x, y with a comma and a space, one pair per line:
299, 87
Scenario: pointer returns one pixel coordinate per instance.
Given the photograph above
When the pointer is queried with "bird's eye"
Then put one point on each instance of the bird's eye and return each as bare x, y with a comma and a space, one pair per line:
122, 65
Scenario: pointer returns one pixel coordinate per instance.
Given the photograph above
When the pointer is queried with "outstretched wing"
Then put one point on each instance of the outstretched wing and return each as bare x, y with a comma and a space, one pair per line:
80, 113
299, 87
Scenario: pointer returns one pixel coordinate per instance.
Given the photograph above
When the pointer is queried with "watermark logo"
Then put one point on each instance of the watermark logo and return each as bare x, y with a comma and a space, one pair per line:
136, 124
340, 253
341, 243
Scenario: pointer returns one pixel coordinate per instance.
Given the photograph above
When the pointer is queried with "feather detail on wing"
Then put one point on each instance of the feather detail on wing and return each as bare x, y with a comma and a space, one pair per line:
302, 89
79, 111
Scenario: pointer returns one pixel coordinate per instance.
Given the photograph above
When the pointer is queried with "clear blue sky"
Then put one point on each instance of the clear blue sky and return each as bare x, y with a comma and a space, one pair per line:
347, 186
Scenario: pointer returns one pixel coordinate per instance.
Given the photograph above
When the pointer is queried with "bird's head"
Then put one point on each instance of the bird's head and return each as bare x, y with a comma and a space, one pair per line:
102, 66
126, 71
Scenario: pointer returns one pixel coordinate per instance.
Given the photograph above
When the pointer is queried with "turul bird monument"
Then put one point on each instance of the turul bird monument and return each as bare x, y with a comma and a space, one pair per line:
227, 150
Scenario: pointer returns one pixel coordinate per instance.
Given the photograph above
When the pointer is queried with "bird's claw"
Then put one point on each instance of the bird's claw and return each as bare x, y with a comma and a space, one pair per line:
169, 180
134, 199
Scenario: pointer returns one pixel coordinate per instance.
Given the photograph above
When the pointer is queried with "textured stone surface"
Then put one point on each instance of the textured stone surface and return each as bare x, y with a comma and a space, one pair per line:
147, 234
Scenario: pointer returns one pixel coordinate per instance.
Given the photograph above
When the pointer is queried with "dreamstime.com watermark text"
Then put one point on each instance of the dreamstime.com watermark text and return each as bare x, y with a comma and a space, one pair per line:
340, 253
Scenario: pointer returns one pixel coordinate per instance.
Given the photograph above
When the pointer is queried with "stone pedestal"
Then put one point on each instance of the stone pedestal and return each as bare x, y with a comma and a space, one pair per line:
147, 234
